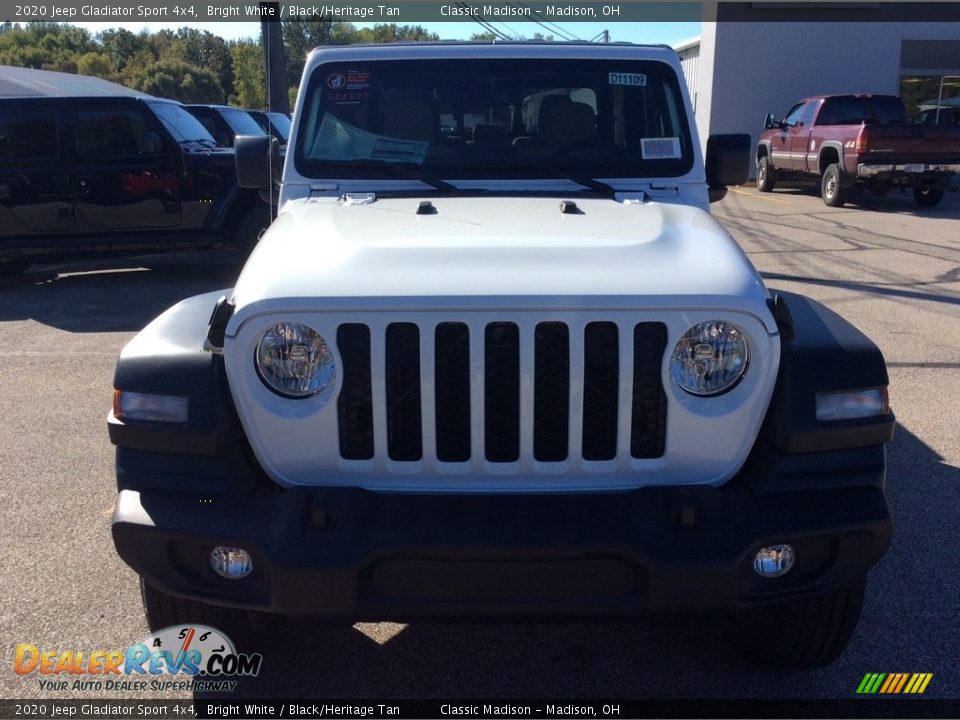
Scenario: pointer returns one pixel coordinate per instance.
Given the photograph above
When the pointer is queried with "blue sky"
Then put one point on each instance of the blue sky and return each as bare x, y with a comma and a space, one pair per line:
669, 33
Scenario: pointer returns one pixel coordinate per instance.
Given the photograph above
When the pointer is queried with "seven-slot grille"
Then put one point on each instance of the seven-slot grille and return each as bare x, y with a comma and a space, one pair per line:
575, 402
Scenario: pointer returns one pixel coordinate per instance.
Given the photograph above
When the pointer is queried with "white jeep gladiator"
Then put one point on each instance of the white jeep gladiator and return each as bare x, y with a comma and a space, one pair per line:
494, 358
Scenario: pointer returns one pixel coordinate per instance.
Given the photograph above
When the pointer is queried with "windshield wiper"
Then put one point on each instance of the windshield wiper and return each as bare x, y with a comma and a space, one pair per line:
412, 172
585, 180
201, 141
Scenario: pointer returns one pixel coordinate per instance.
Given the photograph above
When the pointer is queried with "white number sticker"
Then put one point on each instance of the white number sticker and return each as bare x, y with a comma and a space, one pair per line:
631, 79
660, 148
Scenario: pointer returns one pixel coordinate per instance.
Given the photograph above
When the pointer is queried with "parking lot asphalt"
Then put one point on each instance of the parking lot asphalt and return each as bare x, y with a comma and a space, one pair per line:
890, 267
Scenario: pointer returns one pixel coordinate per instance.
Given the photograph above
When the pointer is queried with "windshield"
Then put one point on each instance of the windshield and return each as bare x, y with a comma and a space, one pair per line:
494, 119
241, 122
181, 124
281, 123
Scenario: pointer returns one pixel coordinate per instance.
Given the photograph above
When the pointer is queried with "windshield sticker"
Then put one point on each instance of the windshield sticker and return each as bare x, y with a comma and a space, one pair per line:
336, 140
631, 79
660, 148
351, 88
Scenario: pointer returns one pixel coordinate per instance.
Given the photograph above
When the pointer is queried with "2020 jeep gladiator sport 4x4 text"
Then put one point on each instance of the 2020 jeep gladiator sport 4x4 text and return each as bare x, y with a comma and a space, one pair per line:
494, 358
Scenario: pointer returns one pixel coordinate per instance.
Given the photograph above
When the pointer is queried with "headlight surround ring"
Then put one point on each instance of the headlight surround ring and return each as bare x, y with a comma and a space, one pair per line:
294, 360
710, 358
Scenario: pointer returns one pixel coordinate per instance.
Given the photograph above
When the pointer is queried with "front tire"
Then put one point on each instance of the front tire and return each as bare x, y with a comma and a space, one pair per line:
799, 634
765, 175
248, 231
927, 197
831, 187
10, 266
163, 610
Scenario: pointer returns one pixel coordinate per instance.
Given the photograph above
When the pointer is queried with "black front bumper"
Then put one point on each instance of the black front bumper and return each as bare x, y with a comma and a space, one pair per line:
353, 554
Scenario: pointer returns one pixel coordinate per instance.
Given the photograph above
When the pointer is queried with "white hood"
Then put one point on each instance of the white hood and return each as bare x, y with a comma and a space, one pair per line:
517, 252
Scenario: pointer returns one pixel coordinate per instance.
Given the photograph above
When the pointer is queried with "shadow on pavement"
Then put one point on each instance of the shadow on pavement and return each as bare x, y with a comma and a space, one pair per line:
113, 295
893, 201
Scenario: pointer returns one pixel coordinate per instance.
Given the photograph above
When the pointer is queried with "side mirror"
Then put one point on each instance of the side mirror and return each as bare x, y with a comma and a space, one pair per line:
771, 122
727, 162
257, 159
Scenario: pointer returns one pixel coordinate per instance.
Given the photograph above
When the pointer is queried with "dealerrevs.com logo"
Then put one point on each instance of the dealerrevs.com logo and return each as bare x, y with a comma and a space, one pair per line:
185, 657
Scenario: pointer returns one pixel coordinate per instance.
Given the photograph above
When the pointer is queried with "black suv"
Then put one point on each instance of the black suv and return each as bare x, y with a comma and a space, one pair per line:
275, 123
87, 165
224, 123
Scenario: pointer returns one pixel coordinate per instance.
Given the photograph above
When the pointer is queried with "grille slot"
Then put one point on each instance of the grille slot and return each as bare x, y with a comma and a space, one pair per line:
402, 354
355, 404
551, 392
648, 426
601, 379
452, 381
502, 392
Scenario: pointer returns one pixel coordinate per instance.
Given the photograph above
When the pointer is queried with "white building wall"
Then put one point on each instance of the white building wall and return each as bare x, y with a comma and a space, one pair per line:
746, 70
690, 61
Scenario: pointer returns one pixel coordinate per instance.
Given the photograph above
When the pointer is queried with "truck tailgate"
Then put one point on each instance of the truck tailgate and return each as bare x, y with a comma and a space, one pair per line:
911, 143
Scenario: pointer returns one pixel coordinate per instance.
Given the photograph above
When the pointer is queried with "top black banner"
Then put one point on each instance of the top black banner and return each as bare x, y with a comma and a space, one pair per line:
418, 11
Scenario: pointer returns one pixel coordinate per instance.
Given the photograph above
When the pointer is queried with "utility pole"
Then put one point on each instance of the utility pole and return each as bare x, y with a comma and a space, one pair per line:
278, 100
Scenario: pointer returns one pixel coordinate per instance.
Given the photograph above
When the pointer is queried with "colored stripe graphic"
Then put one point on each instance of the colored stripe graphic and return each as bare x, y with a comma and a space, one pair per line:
894, 683
871, 683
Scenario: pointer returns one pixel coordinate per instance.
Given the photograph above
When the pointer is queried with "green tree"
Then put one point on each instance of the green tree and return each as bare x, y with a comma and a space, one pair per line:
391, 32
181, 81
120, 46
299, 38
250, 78
204, 49
96, 64
45, 45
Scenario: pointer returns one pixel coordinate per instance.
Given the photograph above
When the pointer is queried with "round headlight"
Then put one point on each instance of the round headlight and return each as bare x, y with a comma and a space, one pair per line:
710, 358
294, 360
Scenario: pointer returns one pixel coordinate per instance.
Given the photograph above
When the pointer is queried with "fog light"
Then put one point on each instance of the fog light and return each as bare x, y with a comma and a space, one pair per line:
774, 561
231, 563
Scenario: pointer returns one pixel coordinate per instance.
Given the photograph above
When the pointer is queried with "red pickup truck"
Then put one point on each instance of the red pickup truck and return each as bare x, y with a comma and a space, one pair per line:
857, 141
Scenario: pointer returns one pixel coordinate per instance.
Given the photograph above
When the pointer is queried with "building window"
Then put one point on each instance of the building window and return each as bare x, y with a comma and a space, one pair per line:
931, 99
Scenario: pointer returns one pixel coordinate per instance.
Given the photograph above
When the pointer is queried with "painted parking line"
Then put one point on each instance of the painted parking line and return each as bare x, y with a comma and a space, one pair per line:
760, 197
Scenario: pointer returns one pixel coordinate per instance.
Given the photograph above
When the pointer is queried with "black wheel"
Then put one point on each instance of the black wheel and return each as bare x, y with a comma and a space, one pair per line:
831, 186
927, 197
801, 633
12, 265
766, 175
163, 610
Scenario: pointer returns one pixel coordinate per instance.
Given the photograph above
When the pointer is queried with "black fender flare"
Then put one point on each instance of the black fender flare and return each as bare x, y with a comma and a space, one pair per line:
207, 453
821, 353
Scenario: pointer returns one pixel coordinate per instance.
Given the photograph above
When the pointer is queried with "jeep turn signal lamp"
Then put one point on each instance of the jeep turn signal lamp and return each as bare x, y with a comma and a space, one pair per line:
150, 408
853, 404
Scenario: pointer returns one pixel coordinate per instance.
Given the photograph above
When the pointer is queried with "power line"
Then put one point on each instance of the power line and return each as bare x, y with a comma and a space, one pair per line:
484, 24
564, 35
553, 27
